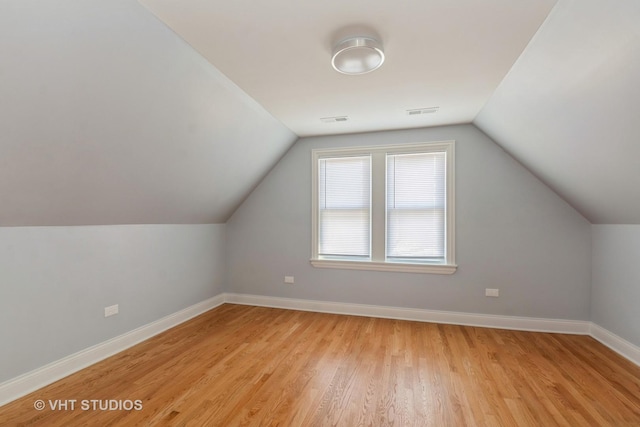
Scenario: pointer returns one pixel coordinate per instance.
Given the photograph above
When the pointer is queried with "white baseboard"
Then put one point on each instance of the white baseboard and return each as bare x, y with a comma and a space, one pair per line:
621, 346
421, 315
38, 378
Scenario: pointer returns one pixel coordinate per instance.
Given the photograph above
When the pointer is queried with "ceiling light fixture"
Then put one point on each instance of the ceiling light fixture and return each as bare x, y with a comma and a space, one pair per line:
357, 55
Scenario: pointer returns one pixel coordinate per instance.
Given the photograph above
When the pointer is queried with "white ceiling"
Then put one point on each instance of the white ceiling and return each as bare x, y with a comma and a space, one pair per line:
108, 117
449, 54
567, 109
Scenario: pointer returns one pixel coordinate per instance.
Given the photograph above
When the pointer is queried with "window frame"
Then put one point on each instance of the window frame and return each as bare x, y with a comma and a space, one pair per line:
378, 226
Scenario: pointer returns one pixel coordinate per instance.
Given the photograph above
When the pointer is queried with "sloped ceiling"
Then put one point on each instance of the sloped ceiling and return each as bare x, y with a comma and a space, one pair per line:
106, 117
439, 53
569, 109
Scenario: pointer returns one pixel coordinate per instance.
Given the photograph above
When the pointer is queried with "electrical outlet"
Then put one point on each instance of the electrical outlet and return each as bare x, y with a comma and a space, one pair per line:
288, 279
111, 310
492, 292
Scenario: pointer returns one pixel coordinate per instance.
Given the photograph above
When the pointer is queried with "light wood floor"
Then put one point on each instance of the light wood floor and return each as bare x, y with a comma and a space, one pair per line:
240, 365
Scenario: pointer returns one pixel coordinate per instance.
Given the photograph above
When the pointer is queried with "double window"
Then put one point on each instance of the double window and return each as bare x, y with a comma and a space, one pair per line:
384, 208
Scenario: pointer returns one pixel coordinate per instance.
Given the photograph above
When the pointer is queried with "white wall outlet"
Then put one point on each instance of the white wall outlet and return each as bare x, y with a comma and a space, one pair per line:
111, 310
492, 292
288, 279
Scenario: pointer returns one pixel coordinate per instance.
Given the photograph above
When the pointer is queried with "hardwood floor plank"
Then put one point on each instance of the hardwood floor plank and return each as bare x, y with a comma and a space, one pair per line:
253, 366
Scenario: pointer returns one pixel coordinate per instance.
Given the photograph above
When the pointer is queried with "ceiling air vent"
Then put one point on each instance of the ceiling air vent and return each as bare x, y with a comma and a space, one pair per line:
335, 119
420, 111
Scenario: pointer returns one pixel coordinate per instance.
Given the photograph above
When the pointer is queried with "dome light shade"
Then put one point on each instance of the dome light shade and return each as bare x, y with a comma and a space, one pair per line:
357, 55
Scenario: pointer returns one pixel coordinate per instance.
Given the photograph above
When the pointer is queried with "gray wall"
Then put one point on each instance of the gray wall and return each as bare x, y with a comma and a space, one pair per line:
615, 290
56, 281
513, 233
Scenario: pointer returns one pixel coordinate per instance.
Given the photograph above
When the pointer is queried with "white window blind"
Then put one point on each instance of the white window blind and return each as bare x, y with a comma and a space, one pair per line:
415, 207
384, 208
344, 202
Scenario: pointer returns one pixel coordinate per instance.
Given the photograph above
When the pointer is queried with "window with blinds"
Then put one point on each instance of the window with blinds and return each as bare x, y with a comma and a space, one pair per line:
388, 208
344, 201
415, 208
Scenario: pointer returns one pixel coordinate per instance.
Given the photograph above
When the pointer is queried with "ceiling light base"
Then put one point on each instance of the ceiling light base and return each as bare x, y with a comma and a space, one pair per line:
357, 55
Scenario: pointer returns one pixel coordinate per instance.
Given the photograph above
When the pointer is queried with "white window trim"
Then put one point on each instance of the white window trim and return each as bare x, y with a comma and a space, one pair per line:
378, 220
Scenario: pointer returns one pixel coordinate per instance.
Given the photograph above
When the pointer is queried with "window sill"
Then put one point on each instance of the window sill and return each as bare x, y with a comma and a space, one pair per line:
385, 266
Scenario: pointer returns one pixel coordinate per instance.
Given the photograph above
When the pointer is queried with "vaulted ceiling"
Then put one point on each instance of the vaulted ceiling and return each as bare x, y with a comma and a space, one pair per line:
107, 117
439, 53
117, 112
569, 111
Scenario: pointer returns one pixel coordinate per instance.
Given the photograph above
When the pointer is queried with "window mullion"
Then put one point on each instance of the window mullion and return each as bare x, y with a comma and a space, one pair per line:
378, 203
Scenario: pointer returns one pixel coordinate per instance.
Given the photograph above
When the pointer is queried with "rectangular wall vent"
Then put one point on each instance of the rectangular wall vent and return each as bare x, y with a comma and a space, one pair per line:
335, 119
419, 111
